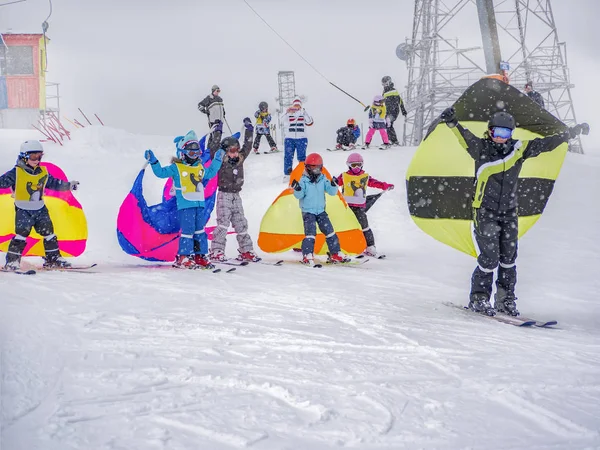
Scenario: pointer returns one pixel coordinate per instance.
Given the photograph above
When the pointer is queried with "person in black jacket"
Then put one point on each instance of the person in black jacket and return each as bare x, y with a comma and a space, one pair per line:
498, 160
534, 95
394, 105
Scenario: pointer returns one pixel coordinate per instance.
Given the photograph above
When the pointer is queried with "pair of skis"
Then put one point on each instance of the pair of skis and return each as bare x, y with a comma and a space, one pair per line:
518, 321
50, 269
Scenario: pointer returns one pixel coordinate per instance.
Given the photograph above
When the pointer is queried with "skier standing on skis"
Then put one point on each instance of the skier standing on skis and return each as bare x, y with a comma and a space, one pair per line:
263, 119
295, 120
354, 184
212, 106
394, 105
498, 161
347, 136
28, 180
311, 190
377, 115
229, 202
189, 177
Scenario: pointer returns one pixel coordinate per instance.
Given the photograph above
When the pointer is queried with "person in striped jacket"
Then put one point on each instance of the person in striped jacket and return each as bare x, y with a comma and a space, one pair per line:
295, 121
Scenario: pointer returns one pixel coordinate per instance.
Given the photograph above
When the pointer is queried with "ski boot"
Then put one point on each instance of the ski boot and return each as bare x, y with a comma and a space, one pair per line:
185, 262
505, 302
370, 251
247, 256
56, 262
337, 258
338, 146
217, 256
256, 152
12, 265
308, 260
286, 178
274, 149
367, 145
480, 303
385, 146
202, 262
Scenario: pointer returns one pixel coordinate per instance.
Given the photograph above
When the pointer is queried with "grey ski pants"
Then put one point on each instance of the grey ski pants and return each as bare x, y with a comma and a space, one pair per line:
231, 211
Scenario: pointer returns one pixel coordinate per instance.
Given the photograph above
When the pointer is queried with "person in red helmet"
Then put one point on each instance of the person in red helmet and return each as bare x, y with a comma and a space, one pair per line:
311, 190
354, 184
347, 136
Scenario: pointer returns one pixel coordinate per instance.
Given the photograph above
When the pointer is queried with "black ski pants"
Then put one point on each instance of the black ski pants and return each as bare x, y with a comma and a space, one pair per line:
361, 215
497, 237
391, 131
25, 220
270, 140
310, 232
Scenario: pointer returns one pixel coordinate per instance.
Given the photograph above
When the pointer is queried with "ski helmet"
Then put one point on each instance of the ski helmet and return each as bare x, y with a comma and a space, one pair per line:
191, 151
29, 147
354, 158
351, 122
502, 119
263, 106
230, 142
314, 159
386, 81
215, 88
377, 99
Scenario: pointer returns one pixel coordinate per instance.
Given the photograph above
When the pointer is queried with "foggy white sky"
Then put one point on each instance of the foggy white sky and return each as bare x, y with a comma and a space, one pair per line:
143, 65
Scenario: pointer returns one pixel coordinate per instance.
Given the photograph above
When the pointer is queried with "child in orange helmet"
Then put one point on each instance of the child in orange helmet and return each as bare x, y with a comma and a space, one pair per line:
347, 136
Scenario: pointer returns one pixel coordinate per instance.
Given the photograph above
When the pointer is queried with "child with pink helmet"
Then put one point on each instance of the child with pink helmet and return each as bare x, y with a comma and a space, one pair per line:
377, 115
354, 184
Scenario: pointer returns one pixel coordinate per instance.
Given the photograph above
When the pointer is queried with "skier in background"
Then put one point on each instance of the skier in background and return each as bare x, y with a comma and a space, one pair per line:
28, 180
394, 105
295, 120
534, 95
263, 119
498, 161
377, 121
212, 106
347, 136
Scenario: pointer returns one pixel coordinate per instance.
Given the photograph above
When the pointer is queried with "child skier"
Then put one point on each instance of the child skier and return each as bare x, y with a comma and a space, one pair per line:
498, 160
229, 202
28, 180
354, 184
377, 114
295, 119
310, 190
189, 177
263, 119
347, 136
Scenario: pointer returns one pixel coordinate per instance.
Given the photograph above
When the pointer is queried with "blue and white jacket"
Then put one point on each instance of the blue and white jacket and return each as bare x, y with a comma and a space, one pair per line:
312, 195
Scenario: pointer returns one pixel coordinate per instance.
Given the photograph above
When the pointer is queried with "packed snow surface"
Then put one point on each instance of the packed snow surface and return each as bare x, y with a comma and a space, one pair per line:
289, 358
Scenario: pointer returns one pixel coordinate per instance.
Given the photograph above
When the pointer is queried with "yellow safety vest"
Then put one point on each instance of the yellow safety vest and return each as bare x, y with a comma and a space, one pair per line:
29, 187
355, 188
190, 178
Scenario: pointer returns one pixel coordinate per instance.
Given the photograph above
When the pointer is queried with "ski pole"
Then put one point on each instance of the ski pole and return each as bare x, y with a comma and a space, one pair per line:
353, 98
226, 123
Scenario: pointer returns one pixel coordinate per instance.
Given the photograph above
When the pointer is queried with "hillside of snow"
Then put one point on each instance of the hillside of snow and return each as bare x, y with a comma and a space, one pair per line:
292, 358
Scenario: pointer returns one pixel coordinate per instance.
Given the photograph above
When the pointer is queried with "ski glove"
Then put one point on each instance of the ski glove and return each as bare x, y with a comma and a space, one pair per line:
580, 128
449, 116
217, 126
73, 185
388, 187
296, 186
202, 108
403, 109
248, 124
334, 181
150, 157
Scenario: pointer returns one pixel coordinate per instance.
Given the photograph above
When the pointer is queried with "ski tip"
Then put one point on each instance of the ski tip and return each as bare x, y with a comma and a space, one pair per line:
230, 270
215, 270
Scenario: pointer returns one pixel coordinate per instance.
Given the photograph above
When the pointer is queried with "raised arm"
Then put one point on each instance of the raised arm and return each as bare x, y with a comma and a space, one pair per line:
467, 140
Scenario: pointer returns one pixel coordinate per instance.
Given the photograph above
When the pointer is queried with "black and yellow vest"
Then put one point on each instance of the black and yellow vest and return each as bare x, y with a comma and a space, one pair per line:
355, 188
29, 188
190, 178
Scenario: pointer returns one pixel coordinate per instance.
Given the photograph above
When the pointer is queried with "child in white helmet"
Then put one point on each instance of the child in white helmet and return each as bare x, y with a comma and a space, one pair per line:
377, 117
28, 180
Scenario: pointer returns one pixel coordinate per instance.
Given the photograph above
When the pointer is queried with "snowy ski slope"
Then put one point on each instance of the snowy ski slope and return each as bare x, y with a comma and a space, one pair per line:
292, 358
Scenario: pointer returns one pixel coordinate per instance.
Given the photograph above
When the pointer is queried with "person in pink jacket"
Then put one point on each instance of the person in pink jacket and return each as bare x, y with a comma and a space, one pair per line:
354, 184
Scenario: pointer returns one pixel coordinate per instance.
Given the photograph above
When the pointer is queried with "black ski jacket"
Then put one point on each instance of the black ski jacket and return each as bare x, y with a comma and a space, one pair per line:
497, 166
231, 173
393, 101
536, 97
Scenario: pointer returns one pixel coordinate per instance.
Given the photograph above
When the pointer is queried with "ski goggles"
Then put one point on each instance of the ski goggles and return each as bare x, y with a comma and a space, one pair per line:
192, 149
354, 165
314, 169
501, 132
35, 156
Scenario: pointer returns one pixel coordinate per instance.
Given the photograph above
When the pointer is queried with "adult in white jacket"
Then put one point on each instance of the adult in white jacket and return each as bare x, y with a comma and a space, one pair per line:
295, 120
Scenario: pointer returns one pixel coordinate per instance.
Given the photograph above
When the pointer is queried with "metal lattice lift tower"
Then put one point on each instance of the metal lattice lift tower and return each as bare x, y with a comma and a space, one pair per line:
287, 92
439, 69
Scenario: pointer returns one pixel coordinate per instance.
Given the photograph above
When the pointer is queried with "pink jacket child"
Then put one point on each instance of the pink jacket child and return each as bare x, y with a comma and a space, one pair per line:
354, 184
377, 121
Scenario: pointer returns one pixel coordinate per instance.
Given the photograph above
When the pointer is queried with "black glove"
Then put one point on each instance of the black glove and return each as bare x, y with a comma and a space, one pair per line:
334, 181
580, 128
296, 186
248, 124
202, 108
403, 109
449, 116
